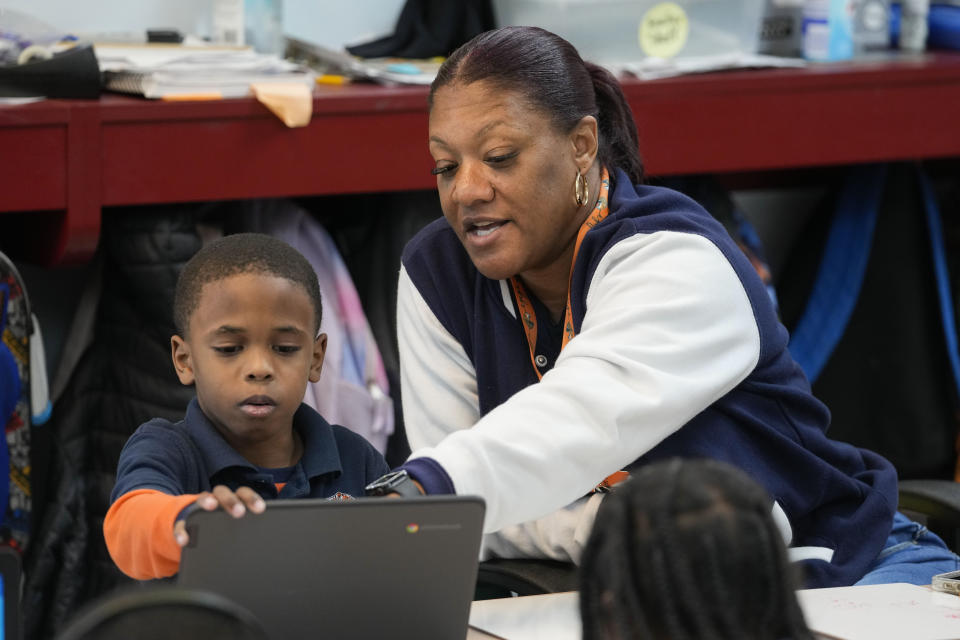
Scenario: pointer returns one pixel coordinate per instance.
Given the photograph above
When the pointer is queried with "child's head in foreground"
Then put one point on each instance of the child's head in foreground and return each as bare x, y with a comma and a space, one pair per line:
247, 311
688, 549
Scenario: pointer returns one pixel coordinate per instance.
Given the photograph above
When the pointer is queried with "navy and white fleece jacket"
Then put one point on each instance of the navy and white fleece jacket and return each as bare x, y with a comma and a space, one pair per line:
678, 352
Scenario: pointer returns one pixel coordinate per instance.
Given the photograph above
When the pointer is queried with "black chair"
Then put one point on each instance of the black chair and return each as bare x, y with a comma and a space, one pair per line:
935, 503
160, 613
524, 577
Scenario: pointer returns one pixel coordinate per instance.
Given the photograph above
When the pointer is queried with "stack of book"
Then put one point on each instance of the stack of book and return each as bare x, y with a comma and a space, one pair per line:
185, 72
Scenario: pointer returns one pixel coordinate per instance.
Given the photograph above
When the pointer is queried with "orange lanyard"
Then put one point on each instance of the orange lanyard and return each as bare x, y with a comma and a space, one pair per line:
529, 317
527, 314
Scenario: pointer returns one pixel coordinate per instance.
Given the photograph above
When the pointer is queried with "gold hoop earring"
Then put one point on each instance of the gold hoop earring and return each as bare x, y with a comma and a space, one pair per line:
581, 190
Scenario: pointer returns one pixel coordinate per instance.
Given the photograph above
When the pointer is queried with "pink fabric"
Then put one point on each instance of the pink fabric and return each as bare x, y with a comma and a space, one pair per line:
353, 390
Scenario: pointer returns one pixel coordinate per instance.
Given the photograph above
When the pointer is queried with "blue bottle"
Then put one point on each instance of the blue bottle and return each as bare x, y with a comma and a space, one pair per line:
828, 29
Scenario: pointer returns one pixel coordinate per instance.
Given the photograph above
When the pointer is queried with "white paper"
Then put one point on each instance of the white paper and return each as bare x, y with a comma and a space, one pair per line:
881, 612
876, 612
653, 68
554, 616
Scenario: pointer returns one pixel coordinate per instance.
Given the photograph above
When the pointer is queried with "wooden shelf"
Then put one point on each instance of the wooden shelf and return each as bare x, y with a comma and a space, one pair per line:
65, 160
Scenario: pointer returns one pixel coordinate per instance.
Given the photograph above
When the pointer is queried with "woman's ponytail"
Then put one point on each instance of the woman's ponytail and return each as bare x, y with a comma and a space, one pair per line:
619, 144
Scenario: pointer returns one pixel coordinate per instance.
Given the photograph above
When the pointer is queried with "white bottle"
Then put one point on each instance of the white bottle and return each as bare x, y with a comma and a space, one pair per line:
913, 24
228, 22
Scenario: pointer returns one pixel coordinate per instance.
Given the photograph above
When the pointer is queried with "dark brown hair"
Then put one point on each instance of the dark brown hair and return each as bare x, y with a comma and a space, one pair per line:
688, 550
551, 75
242, 253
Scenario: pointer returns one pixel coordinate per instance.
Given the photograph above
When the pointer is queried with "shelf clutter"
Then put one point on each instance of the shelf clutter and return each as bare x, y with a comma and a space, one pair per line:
174, 71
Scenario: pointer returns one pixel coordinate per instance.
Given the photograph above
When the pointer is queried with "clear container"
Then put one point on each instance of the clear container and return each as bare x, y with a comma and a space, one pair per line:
621, 31
263, 20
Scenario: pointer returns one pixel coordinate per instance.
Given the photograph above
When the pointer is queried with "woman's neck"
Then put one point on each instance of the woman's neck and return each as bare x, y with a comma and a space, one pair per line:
549, 286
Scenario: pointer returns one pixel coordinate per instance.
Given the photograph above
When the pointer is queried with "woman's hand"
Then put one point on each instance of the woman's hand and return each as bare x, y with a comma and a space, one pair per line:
394, 494
235, 503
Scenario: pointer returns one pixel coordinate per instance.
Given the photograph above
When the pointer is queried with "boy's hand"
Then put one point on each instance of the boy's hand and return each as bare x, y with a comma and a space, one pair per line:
234, 503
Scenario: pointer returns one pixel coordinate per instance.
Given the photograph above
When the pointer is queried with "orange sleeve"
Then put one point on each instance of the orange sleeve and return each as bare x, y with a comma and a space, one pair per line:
138, 530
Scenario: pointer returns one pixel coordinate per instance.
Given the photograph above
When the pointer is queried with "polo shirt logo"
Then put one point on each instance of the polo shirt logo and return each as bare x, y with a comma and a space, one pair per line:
339, 496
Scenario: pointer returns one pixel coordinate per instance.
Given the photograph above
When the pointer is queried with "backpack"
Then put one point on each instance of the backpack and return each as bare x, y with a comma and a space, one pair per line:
866, 296
23, 401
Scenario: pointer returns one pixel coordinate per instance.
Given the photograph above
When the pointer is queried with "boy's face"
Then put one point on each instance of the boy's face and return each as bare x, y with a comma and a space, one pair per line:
250, 352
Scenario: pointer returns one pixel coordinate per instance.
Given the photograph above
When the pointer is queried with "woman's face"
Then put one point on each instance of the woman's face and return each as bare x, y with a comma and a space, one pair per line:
506, 180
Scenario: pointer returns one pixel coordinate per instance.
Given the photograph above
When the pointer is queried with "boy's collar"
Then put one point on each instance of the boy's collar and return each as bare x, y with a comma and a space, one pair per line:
320, 453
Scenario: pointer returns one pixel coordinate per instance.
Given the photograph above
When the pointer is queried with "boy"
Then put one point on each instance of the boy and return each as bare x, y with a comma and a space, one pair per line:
247, 311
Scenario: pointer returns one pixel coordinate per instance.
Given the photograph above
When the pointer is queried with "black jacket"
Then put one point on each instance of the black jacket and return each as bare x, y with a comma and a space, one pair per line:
123, 378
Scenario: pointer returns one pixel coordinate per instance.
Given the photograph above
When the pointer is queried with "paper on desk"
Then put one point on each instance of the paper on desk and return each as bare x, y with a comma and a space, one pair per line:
389, 71
164, 71
291, 102
551, 616
881, 612
653, 68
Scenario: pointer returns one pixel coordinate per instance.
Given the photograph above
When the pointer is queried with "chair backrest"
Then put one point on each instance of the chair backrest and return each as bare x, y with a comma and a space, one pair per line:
499, 577
159, 613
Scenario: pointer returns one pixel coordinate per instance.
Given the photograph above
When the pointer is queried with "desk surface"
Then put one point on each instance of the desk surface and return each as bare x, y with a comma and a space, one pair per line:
553, 616
876, 612
75, 157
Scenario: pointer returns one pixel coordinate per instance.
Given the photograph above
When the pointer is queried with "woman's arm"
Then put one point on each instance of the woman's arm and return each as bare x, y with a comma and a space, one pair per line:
440, 397
438, 380
669, 329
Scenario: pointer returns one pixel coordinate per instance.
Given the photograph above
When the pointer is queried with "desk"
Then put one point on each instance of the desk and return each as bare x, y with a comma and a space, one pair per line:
65, 160
877, 612
553, 616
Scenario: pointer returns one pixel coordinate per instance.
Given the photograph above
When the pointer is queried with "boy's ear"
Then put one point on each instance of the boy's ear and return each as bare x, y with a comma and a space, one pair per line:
182, 363
319, 349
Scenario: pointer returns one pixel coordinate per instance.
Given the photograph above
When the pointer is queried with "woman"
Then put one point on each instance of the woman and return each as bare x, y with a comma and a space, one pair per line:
561, 324
688, 549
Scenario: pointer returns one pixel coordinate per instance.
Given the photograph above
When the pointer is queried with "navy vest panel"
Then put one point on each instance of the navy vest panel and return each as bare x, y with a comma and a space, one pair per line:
472, 308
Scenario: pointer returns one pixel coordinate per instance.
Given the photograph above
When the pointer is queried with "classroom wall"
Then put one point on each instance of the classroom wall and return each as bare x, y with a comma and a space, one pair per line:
109, 16
332, 23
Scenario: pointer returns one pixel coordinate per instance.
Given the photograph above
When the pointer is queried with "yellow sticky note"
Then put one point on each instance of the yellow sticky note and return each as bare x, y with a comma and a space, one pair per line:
292, 102
663, 30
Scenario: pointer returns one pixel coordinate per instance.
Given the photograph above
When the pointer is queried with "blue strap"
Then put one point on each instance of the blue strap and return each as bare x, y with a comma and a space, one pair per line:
10, 389
4, 297
841, 272
9, 374
941, 274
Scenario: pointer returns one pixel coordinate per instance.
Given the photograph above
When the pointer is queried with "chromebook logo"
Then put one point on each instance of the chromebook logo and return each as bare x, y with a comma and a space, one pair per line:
413, 528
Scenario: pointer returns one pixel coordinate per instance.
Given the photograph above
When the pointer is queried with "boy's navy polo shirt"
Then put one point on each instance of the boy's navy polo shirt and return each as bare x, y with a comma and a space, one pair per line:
190, 456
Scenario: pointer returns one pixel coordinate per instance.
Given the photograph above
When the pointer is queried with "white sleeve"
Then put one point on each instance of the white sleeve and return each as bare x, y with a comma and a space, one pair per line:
437, 379
440, 397
668, 330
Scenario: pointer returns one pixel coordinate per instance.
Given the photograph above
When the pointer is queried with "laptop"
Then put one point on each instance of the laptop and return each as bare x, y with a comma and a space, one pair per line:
368, 568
